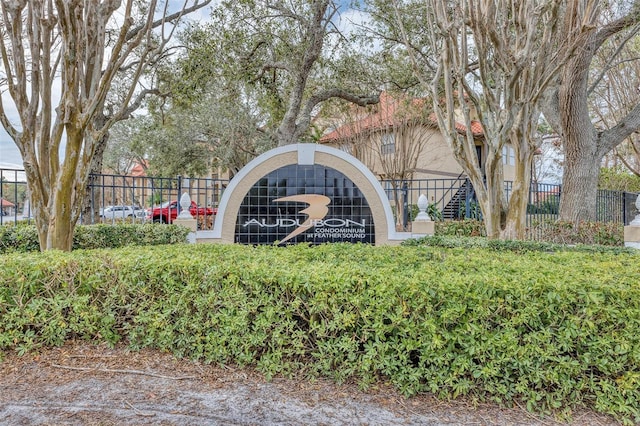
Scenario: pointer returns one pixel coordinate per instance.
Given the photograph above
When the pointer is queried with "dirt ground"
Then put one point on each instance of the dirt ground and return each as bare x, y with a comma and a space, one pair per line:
81, 384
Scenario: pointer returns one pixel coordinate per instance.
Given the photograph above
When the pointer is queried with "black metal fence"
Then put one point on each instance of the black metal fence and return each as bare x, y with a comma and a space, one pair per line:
149, 192
13, 193
449, 199
141, 192
455, 199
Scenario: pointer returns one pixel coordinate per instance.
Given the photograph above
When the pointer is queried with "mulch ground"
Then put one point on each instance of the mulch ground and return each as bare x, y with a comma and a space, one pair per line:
86, 384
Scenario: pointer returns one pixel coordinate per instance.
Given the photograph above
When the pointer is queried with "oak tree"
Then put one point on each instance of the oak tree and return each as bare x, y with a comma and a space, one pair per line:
593, 28
292, 51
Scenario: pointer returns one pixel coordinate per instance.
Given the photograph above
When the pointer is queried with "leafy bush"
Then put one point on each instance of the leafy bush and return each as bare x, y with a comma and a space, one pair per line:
24, 237
474, 211
434, 213
461, 228
511, 245
413, 210
551, 330
549, 206
618, 179
549, 230
602, 233
19, 237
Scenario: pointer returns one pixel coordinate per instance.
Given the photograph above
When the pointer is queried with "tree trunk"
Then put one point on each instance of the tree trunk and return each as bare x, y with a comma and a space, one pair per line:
491, 200
582, 161
515, 227
89, 217
488, 187
492, 217
580, 187
54, 219
66, 192
61, 229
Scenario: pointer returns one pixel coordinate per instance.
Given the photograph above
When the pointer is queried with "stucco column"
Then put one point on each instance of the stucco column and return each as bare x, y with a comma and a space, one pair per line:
422, 225
185, 218
632, 231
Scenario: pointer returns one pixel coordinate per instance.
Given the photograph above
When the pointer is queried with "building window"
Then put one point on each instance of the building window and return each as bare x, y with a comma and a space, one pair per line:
388, 144
508, 156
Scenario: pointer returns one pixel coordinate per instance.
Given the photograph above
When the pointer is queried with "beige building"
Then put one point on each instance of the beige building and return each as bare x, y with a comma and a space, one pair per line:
399, 140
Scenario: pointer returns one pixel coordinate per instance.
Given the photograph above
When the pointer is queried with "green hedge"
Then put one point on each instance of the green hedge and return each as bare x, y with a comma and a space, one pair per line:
547, 230
602, 233
461, 228
511, 245
24, 238
552, 330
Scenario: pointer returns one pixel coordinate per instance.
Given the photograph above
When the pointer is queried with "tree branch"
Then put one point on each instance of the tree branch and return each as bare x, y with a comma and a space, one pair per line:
6, 123
627, 164
112, 370
342, 94
170, 18
137, 102
317, 98
607, 66
610, 138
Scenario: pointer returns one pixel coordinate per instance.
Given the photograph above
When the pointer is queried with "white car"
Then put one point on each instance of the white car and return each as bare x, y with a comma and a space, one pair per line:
121, 212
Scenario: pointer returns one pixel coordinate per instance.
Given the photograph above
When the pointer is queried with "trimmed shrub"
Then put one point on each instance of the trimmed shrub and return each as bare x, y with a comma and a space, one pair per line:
24, 238
461, 228
602, 233
549, 230
519, 246
552, 330
548, 206
19, 237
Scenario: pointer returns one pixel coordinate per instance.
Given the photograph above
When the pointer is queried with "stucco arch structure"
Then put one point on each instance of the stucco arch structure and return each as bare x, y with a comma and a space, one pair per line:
303, 154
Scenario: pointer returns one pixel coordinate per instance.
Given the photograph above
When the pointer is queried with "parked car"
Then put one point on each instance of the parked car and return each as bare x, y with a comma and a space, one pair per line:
168, 211
121, 212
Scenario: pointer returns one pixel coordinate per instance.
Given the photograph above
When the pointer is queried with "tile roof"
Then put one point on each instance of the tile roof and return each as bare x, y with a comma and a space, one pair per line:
389, 112
139, 169
476, 128
6, 203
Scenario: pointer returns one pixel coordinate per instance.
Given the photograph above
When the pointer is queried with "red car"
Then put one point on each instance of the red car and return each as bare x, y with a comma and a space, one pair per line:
168, 212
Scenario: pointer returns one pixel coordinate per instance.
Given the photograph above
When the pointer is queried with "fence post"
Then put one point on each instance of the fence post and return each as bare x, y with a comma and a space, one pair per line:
467, 198
405, 205
179, 192
624, 208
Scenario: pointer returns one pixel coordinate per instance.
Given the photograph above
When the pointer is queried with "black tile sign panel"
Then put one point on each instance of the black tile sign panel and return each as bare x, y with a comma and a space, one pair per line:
304, 204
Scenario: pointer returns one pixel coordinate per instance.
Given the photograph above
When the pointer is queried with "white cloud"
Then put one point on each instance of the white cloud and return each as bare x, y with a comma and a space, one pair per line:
351, 19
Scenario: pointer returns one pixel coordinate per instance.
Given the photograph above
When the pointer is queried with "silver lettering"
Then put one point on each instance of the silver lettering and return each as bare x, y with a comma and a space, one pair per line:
287, 223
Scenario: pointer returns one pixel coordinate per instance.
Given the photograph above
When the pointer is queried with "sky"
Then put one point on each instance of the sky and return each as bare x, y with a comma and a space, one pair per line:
9, 155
